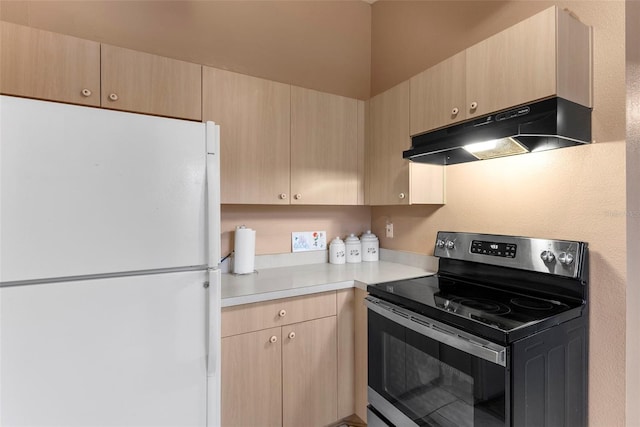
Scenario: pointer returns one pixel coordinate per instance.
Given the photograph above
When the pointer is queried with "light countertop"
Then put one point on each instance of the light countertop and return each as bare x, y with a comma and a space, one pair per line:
285, 282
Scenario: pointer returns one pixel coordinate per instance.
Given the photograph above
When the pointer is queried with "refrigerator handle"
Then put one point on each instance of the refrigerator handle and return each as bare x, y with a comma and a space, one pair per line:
214, 349
213, 193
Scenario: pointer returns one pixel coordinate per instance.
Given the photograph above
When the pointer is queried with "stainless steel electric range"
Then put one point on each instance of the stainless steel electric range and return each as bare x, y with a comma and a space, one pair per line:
499, 337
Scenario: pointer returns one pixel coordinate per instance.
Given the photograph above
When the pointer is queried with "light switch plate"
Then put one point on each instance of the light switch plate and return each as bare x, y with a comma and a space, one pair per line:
302, 241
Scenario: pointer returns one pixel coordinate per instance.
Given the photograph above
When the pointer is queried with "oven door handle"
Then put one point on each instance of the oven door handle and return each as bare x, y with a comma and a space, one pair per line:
445, 334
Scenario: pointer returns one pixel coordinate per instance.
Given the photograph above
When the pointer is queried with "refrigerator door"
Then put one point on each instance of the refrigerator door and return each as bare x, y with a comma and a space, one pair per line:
86, 191
125, 351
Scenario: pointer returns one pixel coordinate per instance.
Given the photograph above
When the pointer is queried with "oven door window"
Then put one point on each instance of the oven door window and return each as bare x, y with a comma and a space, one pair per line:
430, 383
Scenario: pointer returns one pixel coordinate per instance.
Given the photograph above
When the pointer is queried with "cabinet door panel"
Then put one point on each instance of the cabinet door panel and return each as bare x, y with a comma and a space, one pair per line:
254, 118
309, 378
388, 172
44, 65
513, 67
150, 84
324, 148
438, 95
252, 379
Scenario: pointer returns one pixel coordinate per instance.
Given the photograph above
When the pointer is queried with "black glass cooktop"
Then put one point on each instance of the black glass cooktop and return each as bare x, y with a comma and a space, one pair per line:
495, 314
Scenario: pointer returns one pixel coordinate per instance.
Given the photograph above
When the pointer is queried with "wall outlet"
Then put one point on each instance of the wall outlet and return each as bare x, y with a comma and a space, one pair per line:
389, 230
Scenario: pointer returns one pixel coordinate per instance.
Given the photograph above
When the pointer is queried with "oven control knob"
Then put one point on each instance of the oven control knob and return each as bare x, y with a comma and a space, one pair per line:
565, 258
450, 244
440, 243
547, 256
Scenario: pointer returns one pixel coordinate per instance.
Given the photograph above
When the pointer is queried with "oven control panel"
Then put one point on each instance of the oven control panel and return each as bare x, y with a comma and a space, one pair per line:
559, 257
506, 250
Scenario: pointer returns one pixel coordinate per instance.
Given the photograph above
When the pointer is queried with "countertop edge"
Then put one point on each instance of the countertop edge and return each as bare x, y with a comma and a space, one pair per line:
288, 293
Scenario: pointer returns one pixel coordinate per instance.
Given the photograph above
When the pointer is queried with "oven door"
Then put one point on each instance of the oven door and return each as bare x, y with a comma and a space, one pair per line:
425, 373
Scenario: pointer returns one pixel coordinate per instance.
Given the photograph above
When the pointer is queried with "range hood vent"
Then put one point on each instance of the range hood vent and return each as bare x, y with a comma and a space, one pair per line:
543, 125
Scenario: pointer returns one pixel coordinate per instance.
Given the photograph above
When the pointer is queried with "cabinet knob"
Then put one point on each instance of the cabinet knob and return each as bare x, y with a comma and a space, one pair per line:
86, 92
282, 196
454, 111
298, 196
474, 105
113, 97
292, 335
402, 195
282, 313
273, 339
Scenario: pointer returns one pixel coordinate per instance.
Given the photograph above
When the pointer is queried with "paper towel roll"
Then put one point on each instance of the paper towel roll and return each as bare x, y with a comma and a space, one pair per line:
245, 250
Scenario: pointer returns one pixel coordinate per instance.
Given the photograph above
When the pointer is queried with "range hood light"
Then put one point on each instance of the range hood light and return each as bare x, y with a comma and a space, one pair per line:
495, 148
479, 147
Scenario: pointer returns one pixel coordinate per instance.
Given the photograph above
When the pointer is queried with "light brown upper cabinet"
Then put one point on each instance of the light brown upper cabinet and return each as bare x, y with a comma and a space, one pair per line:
438, 95
44, 65
325, 164
546, 55
151, 84
254, 118
392, 180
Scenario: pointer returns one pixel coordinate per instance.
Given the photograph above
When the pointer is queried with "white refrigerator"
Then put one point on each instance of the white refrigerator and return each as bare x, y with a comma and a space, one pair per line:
109, 280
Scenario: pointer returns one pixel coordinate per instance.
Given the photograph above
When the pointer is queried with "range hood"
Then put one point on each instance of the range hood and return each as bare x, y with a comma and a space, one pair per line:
543, 125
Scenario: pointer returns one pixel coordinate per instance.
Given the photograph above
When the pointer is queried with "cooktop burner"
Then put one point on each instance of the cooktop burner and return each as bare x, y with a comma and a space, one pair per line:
535, 304
480, 304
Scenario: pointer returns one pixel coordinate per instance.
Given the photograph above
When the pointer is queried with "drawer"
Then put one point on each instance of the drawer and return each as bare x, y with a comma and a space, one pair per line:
268, 314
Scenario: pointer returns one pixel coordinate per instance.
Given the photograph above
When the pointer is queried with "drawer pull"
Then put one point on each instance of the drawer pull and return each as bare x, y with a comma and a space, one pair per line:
273, 339
455, 111
292, 335
282, 313
113, 97
86, 92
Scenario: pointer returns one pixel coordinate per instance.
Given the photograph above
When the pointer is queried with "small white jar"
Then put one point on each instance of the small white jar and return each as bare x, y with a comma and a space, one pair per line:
354, 249
337, 251
370, 246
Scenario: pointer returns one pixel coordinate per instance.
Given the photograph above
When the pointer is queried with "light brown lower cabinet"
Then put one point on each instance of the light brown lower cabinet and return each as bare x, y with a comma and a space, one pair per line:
285, 375
309, 373
252, 379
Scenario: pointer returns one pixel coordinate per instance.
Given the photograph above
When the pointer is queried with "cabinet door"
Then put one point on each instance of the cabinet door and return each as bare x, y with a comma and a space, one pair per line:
438, 95
44, 65
254, 118
252, 379
513, 67
151, 84
324, 148
388, 172
309, 377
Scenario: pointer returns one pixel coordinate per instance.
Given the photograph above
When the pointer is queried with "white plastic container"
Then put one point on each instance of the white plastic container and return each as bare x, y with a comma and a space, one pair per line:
370, 246
337, 251
354, 249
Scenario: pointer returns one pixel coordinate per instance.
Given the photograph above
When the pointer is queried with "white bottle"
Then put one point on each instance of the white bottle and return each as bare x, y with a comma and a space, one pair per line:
370, 246
354, 249
337, 251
